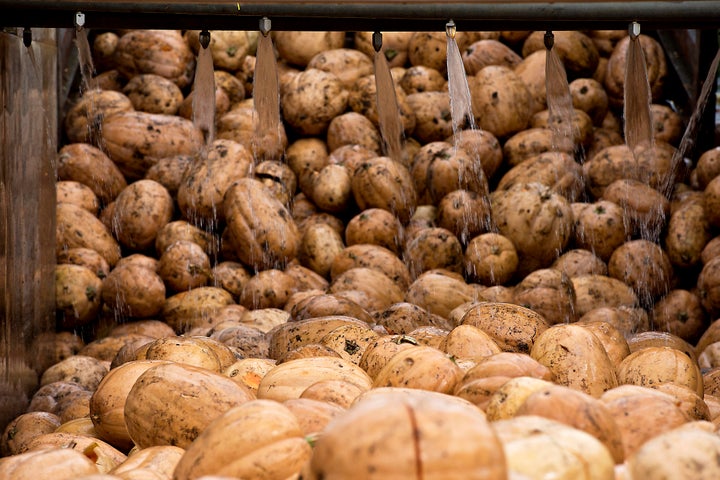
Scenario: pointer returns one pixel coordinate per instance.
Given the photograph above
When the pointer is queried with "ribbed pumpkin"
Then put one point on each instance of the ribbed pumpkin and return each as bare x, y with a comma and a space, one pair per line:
107, 404
48, 464
135, 141
420, 367
265, 234
543, 448
291, 378
383, 183
514, 328
408, 434
576, 358
171, 404
259, 439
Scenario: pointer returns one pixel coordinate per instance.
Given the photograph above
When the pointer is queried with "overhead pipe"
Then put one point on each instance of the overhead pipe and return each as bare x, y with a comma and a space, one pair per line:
364, 15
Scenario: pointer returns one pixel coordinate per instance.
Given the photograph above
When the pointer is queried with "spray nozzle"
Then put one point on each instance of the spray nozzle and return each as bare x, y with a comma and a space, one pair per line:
204, 39
549, 40
377, 41
450, 29
265, 26
634, 30
79, 20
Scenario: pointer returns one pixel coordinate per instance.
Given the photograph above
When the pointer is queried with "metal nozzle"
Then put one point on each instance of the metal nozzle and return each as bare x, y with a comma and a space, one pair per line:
79, 20
204, 39
549, 40
450, 29
265, 26
634, 30
377, 41
27, 36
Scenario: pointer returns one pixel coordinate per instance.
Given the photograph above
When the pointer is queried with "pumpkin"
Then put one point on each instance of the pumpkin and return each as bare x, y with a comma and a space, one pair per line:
421, 433
289, 379
258, 439
576, 357
172, 403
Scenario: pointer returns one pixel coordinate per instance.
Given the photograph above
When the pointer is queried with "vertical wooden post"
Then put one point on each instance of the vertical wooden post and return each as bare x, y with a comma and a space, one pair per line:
28, 150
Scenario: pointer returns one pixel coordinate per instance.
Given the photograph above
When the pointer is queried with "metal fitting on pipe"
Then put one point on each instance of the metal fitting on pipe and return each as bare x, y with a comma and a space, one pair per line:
204, 39
549, 40
377, 41
264, 26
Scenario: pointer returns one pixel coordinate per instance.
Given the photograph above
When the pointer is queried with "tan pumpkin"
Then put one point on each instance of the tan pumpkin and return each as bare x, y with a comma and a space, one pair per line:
268, 234
200, 194
379, 352
107, 404
507, 399
162, 52
469, 342
78, 228
641, 415
654, 365
537, 221
105, 456
248, 372
576, 358
84, 163
135, 141
340, 392
23, 428
350, 341
401, 435
171, 403
379, 290
383, 183
685, 453
197, 307
514, 328
313, 415
159, 460
421, 367
321, 305
577, 409
537, 447
287, 336
612, 339
439, 292
290, 379
259, 439
47, 464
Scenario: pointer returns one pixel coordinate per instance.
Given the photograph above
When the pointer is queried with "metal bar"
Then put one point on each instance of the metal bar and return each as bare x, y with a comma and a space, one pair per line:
365, 15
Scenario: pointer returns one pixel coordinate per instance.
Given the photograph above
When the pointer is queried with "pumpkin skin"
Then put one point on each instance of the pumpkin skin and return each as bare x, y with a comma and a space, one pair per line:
171, 404
383, 183
290, 379
47, 464
135, 141
260, 439
261, 224
408, 434
546, 448
420, 367
576, 357
537, 220
161, 52
107, 404
513, 327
